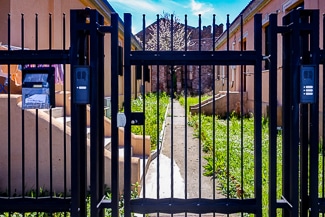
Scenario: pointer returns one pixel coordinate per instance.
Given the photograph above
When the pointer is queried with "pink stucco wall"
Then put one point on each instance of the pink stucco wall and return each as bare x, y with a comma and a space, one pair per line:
265, 8
43, 8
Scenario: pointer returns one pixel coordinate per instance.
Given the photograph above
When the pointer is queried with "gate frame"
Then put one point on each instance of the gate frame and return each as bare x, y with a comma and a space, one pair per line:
22, 57
87, 36
197, 205
300, 33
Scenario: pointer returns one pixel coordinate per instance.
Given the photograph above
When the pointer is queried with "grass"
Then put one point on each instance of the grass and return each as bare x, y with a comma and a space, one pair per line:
231, 159
191, 100
42, 193
152, 102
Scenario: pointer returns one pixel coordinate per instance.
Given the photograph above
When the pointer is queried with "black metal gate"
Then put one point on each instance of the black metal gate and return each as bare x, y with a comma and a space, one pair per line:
200, 205
301, 194
302, 149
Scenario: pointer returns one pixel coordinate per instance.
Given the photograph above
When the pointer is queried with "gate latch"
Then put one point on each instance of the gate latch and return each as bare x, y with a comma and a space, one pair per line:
137, 118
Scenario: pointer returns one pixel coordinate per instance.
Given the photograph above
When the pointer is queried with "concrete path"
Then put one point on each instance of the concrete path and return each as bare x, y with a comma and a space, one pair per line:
184, 172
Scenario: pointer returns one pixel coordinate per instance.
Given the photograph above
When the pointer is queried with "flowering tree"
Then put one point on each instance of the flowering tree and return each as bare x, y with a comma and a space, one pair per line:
172, 36
167, 24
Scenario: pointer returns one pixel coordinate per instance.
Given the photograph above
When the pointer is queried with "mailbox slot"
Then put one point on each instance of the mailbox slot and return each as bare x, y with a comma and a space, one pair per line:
38, 88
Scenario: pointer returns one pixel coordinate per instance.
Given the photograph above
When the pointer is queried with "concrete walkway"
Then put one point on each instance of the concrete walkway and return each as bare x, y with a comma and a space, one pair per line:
184, 172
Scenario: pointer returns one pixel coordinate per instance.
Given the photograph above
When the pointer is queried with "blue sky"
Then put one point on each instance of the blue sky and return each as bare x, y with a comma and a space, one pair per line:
180, 7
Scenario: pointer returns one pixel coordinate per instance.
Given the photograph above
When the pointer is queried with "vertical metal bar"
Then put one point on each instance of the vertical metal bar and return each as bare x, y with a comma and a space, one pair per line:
291, 101
304, 122
50, 122
273, 41
323, 126
9, 123
258, 112
36, 130
96, 113
144, 186
214, 110
64, 112
241, 111
127, 110
75, 151
172, 32
158, 91
294, 144
23, 116
143, 84
227, 115
114, 139
9, 72
172, 111
286, 117
78, 121
200, 111
186, 113
314, 116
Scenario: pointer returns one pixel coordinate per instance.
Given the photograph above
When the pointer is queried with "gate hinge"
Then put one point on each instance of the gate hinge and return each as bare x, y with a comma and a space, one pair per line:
137, 118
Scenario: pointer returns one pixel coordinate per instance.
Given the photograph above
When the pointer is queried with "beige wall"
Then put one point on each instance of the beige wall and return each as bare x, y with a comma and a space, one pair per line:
265, 8
4, 11
43, 8
30, 149
44, 151
57, 8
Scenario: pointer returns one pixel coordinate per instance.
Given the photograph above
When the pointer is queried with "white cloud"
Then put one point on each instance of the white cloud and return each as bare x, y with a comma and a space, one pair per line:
201, 8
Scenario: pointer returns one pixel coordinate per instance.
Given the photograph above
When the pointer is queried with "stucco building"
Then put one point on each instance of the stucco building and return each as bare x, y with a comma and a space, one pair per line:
177, 81
25, 132
236, 40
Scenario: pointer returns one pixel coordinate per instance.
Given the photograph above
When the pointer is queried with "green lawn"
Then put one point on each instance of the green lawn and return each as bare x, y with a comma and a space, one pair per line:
231, 160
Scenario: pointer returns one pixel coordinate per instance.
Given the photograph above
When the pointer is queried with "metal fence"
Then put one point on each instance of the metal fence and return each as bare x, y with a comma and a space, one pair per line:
211, 204
34, 164
39, 175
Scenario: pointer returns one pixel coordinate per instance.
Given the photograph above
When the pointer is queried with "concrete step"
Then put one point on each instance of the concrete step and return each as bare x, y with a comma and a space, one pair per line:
67, 120
107, 141
56, 112
144, 160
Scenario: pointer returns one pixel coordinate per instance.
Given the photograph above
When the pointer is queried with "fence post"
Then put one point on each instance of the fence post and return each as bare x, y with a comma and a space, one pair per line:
273, 103
79, 56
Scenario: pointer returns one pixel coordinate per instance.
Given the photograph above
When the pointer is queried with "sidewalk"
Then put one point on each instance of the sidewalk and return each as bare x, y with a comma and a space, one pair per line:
174, 138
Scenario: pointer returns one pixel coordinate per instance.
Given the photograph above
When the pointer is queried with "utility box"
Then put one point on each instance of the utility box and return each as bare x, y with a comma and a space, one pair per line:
81, 84
38, 88
307, 84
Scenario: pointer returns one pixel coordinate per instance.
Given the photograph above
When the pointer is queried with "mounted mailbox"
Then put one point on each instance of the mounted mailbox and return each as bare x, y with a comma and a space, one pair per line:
38, 88
81, 84
307, 84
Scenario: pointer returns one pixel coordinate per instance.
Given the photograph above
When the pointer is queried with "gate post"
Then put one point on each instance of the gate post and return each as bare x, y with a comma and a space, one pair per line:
87, 67
258, 112
78, 56
127, 111
290, 139
300, 115
314, 59
273, 103
96, 53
